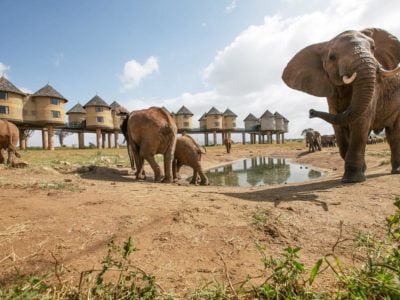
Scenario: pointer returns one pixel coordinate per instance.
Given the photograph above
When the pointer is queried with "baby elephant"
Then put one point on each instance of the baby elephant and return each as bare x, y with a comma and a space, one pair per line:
188, 152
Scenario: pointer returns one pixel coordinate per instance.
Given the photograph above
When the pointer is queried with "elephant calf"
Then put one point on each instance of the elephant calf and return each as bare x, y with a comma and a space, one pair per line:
313, 140
9, 136
188, 152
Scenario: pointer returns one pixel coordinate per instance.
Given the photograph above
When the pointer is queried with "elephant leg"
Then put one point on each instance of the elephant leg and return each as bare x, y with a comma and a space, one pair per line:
174, 170
139, 161
2, 156
11, 155
355, 157
393, 137
342, 134
203, 177
156, 168
194, 177
168, 157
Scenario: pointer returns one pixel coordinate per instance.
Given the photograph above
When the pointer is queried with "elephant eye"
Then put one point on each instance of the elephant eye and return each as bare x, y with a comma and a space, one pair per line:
332, 57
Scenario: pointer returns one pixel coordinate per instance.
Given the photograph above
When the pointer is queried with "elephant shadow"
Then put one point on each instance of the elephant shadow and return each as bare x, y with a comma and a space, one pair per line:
302, 192
111, 175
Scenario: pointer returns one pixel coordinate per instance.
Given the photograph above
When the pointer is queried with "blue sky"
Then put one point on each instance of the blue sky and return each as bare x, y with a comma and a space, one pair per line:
200, 53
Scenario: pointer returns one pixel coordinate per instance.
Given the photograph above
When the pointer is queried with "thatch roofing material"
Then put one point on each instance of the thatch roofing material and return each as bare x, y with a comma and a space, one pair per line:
203, 117
184, 111
214, 111
251, 117
49, 91
267, 115
77, 109
7, 86
229, 113
278, 116
96, 101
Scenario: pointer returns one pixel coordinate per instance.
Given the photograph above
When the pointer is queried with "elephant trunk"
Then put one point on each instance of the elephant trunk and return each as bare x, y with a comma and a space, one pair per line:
363, 90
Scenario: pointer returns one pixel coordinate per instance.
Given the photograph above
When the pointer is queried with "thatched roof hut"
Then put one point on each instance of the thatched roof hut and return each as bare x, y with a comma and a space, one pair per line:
267, 121
11, 101
229, 119
183, 118
251, 122
98, 114
76, 116
214, 119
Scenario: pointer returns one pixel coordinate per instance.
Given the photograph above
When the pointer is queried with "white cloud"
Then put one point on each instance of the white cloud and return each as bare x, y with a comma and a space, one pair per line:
246, 74
3, 69
231, 6
134, 72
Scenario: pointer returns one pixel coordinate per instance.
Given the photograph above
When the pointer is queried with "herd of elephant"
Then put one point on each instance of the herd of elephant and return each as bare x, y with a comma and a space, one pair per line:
315, 141
153, 131
357, 71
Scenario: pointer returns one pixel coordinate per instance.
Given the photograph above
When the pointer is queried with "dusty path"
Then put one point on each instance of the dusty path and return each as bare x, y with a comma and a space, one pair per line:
179, 229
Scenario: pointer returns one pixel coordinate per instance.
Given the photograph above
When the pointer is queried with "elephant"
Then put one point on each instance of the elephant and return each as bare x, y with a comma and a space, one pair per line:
328, 140
357, 72
188, 152
152, 131
313, 140
228, 144
9, 136
124, 129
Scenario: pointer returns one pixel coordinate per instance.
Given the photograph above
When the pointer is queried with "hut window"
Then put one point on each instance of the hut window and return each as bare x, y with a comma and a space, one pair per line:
216, 123
4, 110
54, 101
3, 95
99, 109
216, 117
55, 114
185, 116
100, 119
186, 124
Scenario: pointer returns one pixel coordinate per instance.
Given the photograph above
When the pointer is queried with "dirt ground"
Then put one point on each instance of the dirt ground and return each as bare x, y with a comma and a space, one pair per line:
181, 231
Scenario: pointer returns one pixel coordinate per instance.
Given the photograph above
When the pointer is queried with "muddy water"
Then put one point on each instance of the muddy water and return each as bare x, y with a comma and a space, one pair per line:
261, 171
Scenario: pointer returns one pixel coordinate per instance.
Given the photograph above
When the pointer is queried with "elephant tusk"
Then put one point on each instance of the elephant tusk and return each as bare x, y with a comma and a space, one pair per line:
348, 80
389, 73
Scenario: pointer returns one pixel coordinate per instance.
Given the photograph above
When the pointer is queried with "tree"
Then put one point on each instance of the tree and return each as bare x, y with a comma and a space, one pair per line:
28, 134
62, 135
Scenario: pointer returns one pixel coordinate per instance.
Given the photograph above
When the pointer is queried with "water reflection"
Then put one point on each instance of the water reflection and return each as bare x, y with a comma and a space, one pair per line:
261, 171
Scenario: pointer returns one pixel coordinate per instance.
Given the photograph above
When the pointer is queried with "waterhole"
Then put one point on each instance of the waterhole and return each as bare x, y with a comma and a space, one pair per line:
261, 171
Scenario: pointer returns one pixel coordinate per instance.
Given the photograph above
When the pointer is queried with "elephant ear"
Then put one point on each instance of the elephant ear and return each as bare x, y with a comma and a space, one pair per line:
387, 47
305, 72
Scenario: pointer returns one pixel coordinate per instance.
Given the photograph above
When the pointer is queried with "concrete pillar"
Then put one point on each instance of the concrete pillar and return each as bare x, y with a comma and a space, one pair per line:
109, 140
81, 140
50, 130
271, 138
278, 140
283, 138
259, 138
243, 138
22, 139
103, 140
98, 138
45, 141
116, 133
215, 138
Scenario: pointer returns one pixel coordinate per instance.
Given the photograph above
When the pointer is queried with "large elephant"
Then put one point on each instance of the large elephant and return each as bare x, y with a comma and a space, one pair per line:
152, 131
228, 144
9, 136
356, 71
188, 152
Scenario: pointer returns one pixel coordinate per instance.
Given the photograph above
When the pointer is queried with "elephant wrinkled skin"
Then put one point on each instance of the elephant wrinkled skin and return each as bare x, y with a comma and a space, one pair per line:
152, 131
356, 71
9, 136
188, 152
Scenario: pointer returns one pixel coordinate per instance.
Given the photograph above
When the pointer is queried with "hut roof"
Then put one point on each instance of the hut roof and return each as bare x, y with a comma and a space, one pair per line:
7, 86
251, 117
118, 107
203, 117
229, 113
184, 111
267, 115
96, 101
49, 91
278, 115
77, 109
213, 111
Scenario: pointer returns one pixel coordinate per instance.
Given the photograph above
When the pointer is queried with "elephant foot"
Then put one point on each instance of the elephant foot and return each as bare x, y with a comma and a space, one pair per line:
204, 183
193, 181
354, 174
395, 170
167, 180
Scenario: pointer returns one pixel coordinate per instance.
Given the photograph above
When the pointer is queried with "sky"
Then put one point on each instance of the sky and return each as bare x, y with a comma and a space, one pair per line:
222, 53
